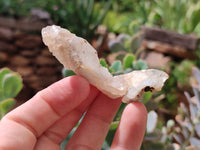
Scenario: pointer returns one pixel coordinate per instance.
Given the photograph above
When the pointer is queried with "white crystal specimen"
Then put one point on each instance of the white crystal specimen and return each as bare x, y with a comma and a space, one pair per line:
76, 54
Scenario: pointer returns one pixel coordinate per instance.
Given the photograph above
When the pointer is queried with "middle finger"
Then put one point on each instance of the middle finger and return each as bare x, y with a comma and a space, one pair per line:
93, 129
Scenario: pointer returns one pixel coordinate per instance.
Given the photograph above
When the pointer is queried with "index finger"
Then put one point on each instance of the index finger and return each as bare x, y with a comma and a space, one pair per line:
131, 129
31, 119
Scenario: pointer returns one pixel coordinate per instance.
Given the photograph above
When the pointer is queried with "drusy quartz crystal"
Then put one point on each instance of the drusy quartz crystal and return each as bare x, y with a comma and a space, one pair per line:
76, 54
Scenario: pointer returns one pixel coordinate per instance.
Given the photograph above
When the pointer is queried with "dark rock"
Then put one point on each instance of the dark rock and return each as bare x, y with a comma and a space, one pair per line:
6, 34
40, 15
189, 42
19, 61
7, 47
46, 61
48, 71
24, 24
29, 42
3, 57
25, 71
31, 79
29, 53
19, 34
157, 60
168, 49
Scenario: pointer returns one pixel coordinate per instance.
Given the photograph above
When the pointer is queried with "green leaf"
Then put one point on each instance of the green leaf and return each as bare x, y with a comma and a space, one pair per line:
111, 132
6, 105
67, 73
119, 112
152, 121
155, 146
134, 27
128, 70
114, 125
117, 66
116, 46
128, 60
139, 65
103, 63
3, 72
1, 95
146, 97
195, 18
64, 143
142, 65
135, 43
102, 16
11, 84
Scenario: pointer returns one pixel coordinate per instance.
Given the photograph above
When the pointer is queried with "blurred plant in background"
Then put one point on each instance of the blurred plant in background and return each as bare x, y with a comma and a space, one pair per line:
10, 86
127, 43
178, 82
184, 19
130, 15
16, 8
177, 15
81, 17
188, 118
182, 132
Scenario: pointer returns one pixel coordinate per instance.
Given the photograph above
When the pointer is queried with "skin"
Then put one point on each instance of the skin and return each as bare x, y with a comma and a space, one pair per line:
45, 120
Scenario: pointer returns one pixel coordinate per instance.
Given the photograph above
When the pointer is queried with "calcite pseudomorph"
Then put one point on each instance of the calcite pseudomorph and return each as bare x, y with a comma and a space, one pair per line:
76, 54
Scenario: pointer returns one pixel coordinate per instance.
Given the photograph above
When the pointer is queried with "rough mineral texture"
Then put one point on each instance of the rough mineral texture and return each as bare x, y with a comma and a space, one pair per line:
77, 54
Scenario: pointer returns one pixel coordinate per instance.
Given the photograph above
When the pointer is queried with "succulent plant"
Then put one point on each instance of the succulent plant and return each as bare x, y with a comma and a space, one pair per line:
155, 138
182, 133
67, 72
125, 42
10, 86
188, 118
128, 64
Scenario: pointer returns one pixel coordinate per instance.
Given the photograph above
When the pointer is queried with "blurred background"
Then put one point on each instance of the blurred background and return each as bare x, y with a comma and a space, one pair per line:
128, 35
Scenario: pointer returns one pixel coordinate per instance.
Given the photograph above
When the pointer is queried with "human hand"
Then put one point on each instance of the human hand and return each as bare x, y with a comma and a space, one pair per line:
44, 121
